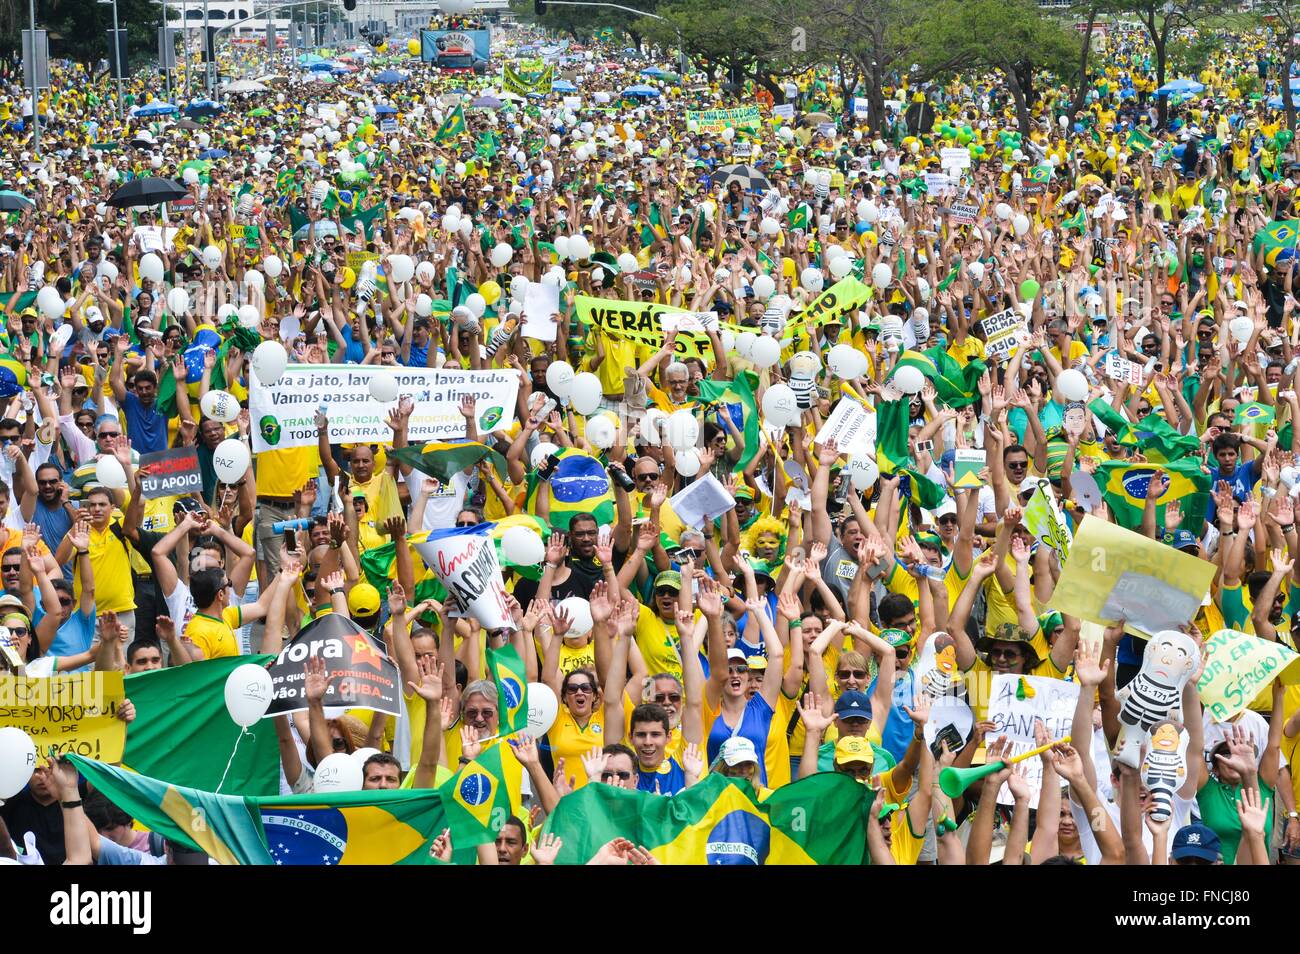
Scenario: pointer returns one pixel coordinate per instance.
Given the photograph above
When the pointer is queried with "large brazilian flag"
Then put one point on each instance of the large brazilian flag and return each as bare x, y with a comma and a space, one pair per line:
1124, 487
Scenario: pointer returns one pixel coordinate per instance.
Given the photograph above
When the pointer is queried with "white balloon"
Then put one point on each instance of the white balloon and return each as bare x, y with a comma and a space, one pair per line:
151, 267
542, 709
766, 352
881, 275
107, 271
269, 362
579, 247
1072, 385
728, 134
764, 286
543, 450
688, 462
780, 406
190, 176
909, 380
586, 393
579, 611
17, 760
1002, 211
425, 271
812, 279
561, 244
109, 472
868, 211
745, 344
976, 271
683, 430
361, 755
50, 302
600, 431
248, 694
728, 341
401, 268
423, 305
846, 362
501, 255
477, 304
559, 378
1020, 223
250, 316
384, 387
338, 772
273, 266
178, 301
839, 267
466, 227
769, 225
230, 460
255, 278
1241, 328
211, 257
627, 263
862, 471
220, 406
522, 547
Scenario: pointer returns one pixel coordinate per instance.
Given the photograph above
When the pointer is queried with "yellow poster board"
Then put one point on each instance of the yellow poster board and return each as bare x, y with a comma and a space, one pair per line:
1238, 666
1113, 574
76, 712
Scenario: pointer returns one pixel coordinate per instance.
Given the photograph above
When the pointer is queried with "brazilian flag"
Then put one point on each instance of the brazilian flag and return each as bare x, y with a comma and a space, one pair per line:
1254, 413
893, 455
957, 385
379, 564
797, 218
1277, 240
1139, 141
476, 800
442, 459
452, 126
1041, 175
1124, 487
654, 229
1077, 221
578, 485
1155, 437
736, 399
331, 828
819, 820
512, 688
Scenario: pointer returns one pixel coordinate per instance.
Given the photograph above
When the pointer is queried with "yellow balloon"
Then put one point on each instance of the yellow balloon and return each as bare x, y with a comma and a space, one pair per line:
382, 48
349, 277
490, 291
413, 47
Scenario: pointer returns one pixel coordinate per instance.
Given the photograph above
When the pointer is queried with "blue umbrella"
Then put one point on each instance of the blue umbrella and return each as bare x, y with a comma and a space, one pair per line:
214, 154
390, 77
203, 107
641, 90
486, 102
652, 71
385, 110
339, 69
563, 86
1180, 86
320, 66
324, 229
156, 109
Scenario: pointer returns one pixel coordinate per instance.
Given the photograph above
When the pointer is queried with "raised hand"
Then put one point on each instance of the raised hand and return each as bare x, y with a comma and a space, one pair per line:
810, 713
316, 683
546, 848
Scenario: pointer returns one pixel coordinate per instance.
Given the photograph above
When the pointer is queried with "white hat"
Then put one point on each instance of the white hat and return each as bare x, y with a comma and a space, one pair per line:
736, 751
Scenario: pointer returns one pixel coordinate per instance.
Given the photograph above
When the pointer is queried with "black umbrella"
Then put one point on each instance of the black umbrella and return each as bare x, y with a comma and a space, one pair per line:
919, 118
750, 179
147, 191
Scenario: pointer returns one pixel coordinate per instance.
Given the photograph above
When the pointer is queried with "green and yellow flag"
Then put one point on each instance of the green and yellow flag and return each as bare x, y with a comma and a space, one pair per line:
442, 459
512, 688
452, 126
957, 385
736, 400
819, 820
328, 828
1124, 487
1139, 141
477, 801
894, 456
1254, 413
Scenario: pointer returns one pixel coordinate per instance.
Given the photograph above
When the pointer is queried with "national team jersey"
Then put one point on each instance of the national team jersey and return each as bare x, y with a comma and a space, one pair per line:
668, 779
571, 741
755, 725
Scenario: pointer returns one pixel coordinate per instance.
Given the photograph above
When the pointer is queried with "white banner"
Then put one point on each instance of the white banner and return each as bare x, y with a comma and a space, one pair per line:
1013, 713
1002, 333
852, 427
955, 157
861, 107
283, 415
466, 563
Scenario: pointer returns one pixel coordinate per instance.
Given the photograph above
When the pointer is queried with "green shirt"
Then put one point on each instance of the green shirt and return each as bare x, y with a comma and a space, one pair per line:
1218, 805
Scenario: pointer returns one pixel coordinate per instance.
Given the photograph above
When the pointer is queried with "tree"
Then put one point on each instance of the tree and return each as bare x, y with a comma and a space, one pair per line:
1162, 19
581, 22
77, 28
1282, 19
1010, 36
738, 44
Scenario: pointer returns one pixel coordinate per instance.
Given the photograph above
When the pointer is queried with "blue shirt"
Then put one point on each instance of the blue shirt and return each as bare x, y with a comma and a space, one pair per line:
74, 636
898, 729
355, 352
1242, 481
755, 723
419, 356
669, 779
146, 428
54, 523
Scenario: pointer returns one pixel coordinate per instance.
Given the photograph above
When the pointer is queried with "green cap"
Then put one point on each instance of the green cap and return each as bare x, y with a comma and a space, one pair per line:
896, 637
669, 578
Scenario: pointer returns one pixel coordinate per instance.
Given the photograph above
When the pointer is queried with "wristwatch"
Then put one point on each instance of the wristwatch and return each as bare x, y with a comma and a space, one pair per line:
76, 804
336, 591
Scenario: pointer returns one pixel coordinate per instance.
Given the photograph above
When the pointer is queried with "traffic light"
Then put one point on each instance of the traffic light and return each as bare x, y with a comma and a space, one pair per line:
539, 7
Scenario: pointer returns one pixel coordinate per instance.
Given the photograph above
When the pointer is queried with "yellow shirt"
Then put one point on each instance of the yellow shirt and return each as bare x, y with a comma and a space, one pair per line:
571, 741
658, 642
111, 566
281, 473
216, 637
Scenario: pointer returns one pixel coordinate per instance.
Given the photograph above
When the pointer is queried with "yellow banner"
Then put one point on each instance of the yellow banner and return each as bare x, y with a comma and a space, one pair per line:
1113, 573
68, 713
639, 321
839, 302
1239, 666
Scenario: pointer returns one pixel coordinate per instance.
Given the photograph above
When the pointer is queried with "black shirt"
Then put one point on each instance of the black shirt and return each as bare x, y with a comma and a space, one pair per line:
582, 579
23, 813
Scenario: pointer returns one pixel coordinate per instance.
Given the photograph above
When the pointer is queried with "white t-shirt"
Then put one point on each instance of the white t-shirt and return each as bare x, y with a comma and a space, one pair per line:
445, 501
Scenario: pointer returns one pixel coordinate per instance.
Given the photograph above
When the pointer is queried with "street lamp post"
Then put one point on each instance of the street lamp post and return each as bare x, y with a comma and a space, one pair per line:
36, 98
117, 57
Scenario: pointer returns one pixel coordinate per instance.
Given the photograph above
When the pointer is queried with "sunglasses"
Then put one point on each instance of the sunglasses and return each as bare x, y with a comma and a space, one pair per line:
1006, 653
622, 775
467, 523
476, 714
585, 688
103, 434
855, 673
18, 630
673, 697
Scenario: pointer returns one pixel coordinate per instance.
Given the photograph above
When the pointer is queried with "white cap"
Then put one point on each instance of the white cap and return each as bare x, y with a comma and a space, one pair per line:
736, 751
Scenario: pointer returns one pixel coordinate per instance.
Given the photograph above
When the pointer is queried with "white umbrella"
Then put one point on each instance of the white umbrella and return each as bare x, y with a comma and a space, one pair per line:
245, 86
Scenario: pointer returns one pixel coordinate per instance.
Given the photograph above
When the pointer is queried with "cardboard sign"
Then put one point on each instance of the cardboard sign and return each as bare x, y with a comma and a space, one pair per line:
72, 713
1015, 704
937, 183
1113, 573
1045, 520
861, 107
465, 561
170, 473
1122, 370
962, 214
361, 676
785, 110
1238, 667
1002, 333
954, 157
541, 302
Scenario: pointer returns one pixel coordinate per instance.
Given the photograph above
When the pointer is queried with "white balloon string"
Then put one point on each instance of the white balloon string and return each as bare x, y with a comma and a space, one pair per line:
242, 732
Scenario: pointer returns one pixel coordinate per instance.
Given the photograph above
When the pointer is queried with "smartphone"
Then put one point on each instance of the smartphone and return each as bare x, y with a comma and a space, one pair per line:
548, 467
291, 539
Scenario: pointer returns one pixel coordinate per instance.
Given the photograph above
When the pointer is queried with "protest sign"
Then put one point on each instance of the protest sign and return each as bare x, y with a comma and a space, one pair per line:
861, 107
937, 183
840, 303
785, 110
541, 303
71, 713
1016, 703
1114, 573
360, 674
1122, 370
716, 120
1045, 521
701, 501
966, 467
573, 102
1238, 667
852, 428
170, 473
962, 213
465, 560
954, 157
1002, 333
643, 322
283, 415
